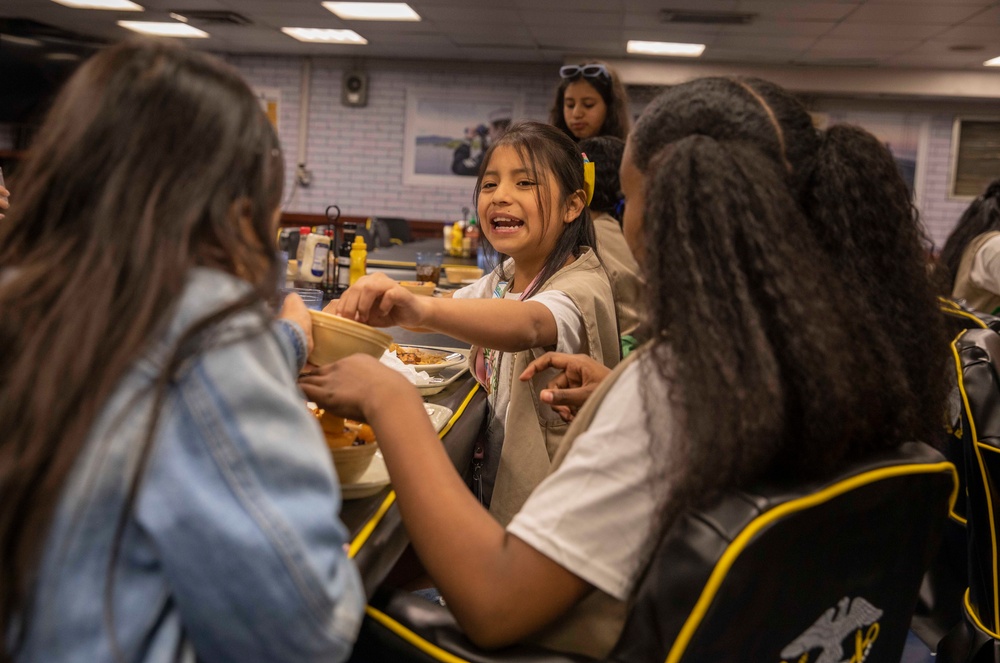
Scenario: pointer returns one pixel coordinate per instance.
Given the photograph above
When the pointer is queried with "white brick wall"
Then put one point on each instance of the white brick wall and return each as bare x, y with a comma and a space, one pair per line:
356, 154
938, 211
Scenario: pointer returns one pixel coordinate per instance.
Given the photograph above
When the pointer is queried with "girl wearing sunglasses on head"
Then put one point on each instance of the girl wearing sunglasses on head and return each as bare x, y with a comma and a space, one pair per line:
590, 101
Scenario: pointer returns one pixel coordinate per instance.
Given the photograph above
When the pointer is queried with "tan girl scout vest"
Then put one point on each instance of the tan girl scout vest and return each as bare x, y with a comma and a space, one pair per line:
529, 441
977, 298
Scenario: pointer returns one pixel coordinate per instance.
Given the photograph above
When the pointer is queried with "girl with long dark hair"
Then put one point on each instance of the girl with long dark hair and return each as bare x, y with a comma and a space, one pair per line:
590, 100
164, 493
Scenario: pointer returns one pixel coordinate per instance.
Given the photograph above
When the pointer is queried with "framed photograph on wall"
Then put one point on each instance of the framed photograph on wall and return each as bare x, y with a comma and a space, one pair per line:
448, 131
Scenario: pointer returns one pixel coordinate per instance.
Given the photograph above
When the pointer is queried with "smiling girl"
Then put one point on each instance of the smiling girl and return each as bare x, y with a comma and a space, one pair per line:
549, 291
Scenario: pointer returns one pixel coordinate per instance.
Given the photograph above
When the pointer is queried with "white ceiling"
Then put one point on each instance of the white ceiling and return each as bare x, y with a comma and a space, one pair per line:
878, 33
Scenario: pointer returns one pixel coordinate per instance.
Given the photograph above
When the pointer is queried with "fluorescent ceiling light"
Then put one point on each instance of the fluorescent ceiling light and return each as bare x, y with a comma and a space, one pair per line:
995, 62
163, 29
120, 5
20, 41
62, 57
325, 36
665, 48
373, 11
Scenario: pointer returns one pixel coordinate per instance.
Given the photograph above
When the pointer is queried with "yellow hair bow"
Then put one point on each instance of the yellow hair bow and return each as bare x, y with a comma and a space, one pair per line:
589, 178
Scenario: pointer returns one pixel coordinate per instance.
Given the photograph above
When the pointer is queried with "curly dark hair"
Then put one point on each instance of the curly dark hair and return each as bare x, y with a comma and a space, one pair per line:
757, 306
981, 216
606, 153
617, 121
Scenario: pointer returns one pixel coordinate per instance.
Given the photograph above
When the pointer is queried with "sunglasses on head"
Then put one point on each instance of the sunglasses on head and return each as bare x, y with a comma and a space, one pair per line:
585, 70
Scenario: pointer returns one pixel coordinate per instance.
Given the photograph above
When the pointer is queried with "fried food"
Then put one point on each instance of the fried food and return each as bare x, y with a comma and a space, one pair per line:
340, 432
417, 356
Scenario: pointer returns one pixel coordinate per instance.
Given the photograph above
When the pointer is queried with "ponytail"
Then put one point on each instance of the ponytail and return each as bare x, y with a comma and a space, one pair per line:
757, 334
856, 200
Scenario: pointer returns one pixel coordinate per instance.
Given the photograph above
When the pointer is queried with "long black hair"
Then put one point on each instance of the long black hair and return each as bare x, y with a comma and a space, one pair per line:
617, 121
153, 160
606, 153
541, 147
981, 216
784, 361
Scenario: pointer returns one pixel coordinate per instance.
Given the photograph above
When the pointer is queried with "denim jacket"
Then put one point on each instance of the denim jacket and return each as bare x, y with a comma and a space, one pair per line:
233, 549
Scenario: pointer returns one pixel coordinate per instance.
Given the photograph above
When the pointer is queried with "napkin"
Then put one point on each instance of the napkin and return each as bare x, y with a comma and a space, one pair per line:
419, 378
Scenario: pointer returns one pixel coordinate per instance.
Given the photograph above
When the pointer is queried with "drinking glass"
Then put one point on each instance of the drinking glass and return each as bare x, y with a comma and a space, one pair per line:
311, 297
428, 266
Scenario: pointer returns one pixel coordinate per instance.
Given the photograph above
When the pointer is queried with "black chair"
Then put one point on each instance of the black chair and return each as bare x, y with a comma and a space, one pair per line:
977, 358
399, 229
812, 572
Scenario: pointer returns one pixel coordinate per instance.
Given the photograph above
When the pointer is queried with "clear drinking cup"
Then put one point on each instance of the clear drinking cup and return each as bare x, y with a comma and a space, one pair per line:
312, 298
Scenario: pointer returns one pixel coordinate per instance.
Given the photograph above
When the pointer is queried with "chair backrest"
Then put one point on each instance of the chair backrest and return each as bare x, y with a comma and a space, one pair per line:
977, 356
818, 573
399, 229
942, 596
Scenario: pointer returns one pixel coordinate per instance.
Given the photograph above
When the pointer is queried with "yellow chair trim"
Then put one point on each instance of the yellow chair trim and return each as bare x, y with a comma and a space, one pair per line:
411, 637
977, 447
993, 534
362, 538
965, 404
974, 617
949, 307
760, 522
359, 541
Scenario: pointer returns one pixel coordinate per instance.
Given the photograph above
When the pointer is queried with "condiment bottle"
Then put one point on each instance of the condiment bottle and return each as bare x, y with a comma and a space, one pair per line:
457, 235
359, 259
300, 246
330, 278
312, 266
344, 258
472, 234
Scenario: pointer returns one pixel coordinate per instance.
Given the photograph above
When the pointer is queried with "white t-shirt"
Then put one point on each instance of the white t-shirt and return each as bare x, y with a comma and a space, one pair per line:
594, 516
569, 339
985, 272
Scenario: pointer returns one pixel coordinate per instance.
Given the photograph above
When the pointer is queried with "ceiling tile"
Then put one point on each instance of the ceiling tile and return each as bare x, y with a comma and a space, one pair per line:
937, 14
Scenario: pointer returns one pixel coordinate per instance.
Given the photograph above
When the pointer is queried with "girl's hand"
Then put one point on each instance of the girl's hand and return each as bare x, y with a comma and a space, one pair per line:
569, 390
295, 310
379, 301
356, 387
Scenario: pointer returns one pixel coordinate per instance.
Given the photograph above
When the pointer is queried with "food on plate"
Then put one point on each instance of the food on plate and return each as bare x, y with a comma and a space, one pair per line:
342, 432
417, 356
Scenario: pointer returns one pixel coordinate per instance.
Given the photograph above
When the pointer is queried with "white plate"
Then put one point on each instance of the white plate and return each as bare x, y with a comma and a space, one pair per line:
439, 415
447, 377
454, 357
375, 478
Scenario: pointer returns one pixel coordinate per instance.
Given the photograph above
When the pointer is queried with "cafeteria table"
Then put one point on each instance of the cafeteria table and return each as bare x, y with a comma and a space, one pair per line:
378, 538
400, 260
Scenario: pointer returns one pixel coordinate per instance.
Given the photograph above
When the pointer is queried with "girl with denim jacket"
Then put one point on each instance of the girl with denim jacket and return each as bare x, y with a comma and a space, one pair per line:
164, 493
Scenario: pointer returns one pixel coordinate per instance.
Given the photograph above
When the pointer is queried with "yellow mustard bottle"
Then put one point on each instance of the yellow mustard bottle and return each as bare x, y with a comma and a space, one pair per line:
359, 259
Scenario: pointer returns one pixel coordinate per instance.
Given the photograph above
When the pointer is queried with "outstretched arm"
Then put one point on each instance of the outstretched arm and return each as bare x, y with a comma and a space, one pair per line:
505, 325
499, 588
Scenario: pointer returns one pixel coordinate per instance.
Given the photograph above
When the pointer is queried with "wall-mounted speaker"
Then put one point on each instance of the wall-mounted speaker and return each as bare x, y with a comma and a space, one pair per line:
354, 88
